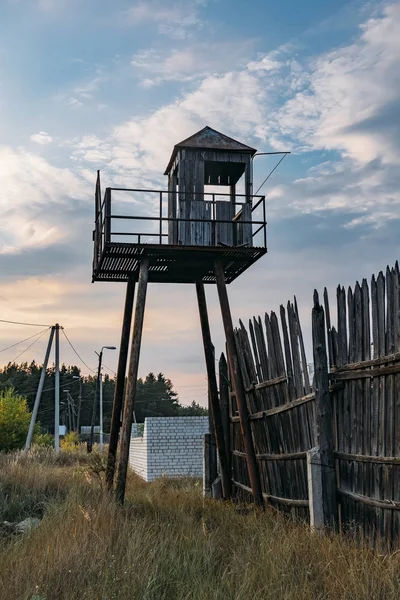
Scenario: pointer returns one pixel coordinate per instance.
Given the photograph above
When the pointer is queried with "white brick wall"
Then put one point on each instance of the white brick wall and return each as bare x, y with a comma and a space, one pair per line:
171, 446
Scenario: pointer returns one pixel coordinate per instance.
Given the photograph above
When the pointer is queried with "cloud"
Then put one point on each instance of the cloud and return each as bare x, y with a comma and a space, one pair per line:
36, 195
74, 102
196, 61
267, 63
174, 19
350, 97
87, 90
344, 102
42, 138
140, 147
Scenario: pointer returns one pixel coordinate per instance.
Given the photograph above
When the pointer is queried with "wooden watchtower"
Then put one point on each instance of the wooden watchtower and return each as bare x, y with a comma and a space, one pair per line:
189, 233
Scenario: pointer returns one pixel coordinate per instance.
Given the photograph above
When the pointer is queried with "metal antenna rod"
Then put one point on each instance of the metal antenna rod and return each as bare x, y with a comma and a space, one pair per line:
268, 176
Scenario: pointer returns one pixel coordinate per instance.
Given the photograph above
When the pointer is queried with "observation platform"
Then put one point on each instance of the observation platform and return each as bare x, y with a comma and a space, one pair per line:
123, 239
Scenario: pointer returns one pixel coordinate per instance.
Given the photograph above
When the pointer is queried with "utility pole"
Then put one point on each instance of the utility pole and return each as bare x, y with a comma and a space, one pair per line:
57, 391
97, 397
71, 411
78, 417
101, 411
39, 392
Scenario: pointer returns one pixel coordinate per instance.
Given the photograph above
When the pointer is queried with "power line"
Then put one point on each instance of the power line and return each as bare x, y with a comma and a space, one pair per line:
108, 369
268, 176
76, 352
21, 342
30, 346
20, 323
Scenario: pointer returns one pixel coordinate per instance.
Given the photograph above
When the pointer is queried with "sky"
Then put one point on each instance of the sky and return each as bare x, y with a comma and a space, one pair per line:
114, 85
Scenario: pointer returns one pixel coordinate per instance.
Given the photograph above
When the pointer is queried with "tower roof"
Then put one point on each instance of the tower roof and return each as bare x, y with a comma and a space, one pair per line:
209, 139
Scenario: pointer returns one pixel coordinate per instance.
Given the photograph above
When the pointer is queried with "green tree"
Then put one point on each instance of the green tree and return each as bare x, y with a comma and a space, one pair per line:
14, 420
155, 394
155, 398
193, 410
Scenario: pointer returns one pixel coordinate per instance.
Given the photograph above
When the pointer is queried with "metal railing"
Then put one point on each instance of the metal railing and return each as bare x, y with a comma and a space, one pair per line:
104, 232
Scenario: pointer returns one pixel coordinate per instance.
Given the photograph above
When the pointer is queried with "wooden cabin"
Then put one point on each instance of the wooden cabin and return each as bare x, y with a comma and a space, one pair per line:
209, 158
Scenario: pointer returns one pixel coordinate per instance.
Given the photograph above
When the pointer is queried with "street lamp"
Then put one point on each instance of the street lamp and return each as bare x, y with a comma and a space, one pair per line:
99, 394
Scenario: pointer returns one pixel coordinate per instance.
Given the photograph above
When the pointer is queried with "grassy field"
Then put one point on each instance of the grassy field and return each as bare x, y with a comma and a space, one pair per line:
165, 543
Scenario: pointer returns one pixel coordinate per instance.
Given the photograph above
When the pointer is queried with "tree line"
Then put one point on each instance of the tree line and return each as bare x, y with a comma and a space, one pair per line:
155, 394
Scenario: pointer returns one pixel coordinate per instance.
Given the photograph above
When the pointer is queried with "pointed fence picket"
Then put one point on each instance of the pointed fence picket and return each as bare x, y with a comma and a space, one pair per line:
363, 369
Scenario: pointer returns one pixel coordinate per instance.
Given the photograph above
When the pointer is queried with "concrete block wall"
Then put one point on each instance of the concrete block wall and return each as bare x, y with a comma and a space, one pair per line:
170, 446
138, 456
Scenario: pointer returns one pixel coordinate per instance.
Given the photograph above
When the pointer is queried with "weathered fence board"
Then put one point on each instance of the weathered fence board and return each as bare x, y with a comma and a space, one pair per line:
278, 394
363, 352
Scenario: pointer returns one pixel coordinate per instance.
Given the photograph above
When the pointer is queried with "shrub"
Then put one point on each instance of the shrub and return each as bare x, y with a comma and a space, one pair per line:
70, 441
14, 420
43, 439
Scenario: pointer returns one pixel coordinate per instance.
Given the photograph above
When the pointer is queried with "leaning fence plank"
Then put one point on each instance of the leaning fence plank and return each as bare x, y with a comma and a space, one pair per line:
382, 405
375, 408
262, 348
304, 428
358, 388
295, 351
288, 355
323, 415
224, 405
389, 399
396, 407
367, 470
342, 326
307, 387
255, 351
332, 360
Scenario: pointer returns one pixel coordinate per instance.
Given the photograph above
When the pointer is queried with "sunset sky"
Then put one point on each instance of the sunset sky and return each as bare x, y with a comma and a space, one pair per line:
94, 84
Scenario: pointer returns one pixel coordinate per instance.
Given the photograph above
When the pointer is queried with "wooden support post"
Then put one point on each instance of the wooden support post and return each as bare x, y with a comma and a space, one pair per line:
213, 444
238, 386
120, 383
130, 396
224, 404
213, 391
206, 466
315, 494
323, 416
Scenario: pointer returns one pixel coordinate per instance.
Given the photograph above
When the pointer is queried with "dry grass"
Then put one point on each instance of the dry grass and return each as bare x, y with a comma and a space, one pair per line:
167, 543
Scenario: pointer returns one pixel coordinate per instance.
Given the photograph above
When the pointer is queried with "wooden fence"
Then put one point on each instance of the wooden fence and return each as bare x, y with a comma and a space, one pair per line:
288, 415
